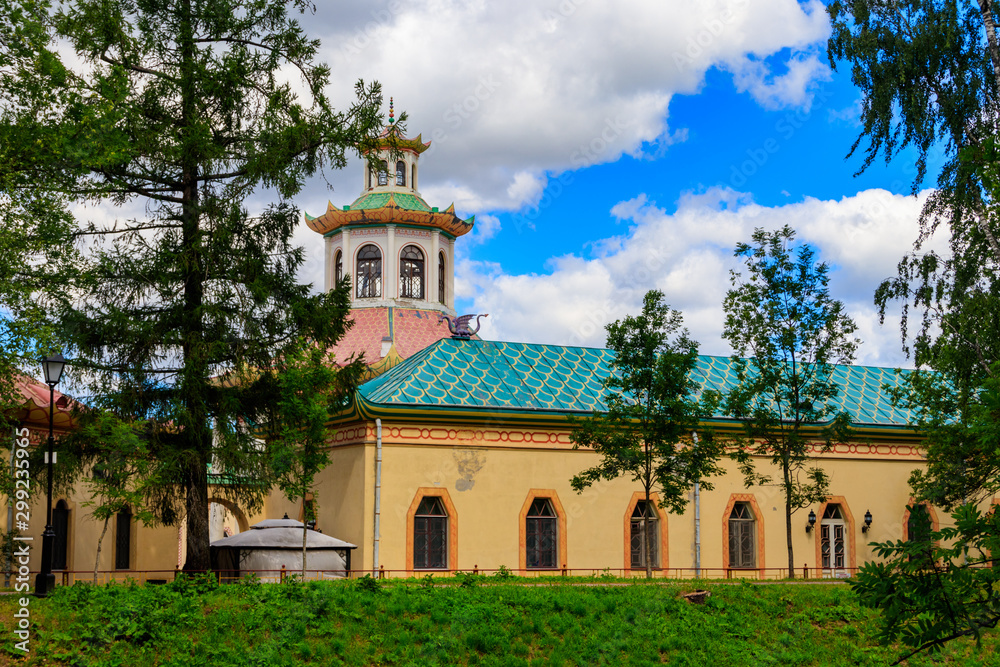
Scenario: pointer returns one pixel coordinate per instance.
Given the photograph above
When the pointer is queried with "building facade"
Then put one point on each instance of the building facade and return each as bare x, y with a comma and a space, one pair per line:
456, 453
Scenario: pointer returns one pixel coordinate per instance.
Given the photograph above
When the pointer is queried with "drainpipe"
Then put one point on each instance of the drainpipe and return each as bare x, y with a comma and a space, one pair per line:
378, 494
697, 520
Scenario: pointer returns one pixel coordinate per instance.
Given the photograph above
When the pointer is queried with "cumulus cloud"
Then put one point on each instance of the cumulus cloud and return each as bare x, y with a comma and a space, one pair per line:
688, 254
512, 93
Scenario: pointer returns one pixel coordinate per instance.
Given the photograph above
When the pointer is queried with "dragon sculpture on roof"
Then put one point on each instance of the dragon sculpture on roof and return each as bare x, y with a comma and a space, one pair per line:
459, 326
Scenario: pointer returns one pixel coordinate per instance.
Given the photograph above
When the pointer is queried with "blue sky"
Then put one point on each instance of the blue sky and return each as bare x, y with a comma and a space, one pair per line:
607, 148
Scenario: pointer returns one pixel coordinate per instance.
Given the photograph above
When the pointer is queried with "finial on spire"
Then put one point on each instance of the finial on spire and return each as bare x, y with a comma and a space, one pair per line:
391, 119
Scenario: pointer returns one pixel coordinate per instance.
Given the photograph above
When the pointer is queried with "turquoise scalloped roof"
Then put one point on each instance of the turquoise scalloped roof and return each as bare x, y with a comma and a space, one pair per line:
522, 377
379, 199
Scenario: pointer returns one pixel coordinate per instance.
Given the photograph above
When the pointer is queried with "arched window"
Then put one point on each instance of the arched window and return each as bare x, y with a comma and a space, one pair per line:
742, 536
430, 535
541, 538
833, 539
441, 277
123, 539
338, 263
640, 537
383, 174
400, 173
411, 273
60, 526
369, 273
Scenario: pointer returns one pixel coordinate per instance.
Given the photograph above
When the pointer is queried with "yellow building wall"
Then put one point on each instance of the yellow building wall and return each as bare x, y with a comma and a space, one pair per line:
488, 474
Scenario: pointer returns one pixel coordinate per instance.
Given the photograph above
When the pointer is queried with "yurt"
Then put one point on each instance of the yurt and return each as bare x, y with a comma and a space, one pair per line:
276, 544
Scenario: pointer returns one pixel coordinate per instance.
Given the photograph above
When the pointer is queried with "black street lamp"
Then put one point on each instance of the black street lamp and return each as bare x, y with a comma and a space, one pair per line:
52, 366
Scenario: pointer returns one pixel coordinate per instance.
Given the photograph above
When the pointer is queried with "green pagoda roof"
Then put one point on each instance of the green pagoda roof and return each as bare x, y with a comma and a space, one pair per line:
474, 379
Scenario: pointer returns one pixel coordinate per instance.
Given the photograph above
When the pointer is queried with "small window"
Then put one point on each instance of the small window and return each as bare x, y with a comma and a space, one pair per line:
541, 535
60, 526
123, 539
640, 538
338, 263
400, 173
441, 277
383, 174
430, 535
369, 273
742, 537
411, 273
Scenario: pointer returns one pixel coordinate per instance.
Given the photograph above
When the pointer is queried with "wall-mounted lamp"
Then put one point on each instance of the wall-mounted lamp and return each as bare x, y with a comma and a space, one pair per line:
812, 521
868, 521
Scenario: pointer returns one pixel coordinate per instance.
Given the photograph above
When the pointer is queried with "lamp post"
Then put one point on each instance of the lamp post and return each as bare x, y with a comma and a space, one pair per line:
52, 366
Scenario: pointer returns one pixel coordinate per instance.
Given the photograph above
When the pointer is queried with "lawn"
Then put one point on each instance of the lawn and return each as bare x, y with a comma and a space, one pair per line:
486, 621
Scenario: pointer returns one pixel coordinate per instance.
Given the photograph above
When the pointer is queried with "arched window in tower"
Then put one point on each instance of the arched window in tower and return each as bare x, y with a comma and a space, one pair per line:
369, 273
441, 277
383, 174
60, 526
338, 263
400, 173
411, 273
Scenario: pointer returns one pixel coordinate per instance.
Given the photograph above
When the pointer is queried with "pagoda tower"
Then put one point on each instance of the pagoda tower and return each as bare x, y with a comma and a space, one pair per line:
398, 253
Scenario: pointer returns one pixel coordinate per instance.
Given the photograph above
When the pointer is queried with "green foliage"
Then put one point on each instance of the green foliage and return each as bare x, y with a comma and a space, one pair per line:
782, 316
369, 584
178, 111
938, 587
335, 623
652, 410
925, 72
467, 579
503, 572
929, 73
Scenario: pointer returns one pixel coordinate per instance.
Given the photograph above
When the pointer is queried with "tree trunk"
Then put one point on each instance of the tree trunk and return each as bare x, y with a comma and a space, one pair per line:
196, 506
97, 560
194, 376
788, 521
986, 11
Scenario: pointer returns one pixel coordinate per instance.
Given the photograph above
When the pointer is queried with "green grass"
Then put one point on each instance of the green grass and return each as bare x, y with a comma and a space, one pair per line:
415, 623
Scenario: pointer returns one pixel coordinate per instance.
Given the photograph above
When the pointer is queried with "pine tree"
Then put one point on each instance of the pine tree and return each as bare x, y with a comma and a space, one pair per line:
187, 109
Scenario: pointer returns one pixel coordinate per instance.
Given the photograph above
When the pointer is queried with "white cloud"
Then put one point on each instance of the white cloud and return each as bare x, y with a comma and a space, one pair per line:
794, 88
513, 92
688, 255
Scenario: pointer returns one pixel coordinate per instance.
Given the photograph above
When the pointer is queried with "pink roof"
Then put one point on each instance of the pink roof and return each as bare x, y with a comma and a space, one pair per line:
411, 330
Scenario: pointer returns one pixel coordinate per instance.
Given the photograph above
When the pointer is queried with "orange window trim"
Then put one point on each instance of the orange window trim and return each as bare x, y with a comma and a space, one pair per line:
449, 507
852, 542
522, 556
758, 518
653, 498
